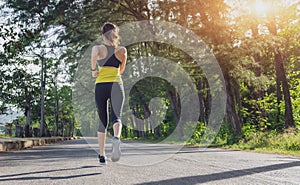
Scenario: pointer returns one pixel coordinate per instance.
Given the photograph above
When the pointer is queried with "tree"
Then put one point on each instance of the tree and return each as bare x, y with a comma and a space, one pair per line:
264, 23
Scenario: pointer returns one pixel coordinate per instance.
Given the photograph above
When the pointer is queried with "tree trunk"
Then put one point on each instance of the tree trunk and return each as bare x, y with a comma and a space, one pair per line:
28, 114
201, 103
56, 112
231, 110
62, 129
281, 79
174, 99
280, 71
154, 124
42, 126
69, 128
147, 114
140, 125
237, 96
134, 126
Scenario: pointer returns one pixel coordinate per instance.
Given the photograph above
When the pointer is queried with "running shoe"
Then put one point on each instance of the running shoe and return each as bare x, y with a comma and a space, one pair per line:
102, 160
116, 150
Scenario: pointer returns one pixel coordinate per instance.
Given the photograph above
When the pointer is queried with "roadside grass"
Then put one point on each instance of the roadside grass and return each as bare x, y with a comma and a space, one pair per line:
287, 143
33, 137
5, 136
261, 150
146, 140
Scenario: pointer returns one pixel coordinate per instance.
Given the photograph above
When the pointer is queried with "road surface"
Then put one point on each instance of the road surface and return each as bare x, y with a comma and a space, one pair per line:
74, 162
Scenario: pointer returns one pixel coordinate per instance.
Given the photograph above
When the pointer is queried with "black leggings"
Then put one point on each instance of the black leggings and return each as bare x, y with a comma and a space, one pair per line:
113, 91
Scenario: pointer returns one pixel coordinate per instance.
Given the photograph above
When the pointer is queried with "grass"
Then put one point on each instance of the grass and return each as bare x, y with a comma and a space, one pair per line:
4, 136
7, 137
262, 150
147, 140
286, 143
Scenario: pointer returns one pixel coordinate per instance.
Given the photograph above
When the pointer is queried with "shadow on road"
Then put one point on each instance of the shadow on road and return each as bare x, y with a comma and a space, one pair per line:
7, 177
48, 153
223, 175
56, 151
76, 148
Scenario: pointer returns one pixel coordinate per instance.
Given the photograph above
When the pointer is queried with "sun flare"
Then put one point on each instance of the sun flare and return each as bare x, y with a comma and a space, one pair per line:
260, 7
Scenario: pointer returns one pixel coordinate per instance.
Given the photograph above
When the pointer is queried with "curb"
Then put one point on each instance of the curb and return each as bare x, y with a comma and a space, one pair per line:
23, 143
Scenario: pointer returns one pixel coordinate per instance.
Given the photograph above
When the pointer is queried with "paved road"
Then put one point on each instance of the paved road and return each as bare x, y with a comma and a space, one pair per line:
74, 162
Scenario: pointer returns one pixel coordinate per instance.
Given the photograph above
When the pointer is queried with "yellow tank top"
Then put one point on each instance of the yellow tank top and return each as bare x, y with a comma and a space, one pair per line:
108, 74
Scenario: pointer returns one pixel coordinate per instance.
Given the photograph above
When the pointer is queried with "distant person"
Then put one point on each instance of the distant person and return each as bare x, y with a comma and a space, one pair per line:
108, 63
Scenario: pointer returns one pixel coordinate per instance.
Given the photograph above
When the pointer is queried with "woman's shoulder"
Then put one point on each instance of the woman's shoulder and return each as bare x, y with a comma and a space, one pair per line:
98, 47
121, 50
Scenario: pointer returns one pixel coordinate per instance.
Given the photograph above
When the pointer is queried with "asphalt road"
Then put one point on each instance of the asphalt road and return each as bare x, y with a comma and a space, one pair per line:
74, 162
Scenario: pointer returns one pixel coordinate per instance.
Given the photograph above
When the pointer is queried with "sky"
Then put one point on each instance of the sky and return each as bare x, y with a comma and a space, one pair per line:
12, 115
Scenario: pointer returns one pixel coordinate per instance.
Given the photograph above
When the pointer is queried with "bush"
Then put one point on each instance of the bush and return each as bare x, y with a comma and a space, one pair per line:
226, 135
286, 141
289, 140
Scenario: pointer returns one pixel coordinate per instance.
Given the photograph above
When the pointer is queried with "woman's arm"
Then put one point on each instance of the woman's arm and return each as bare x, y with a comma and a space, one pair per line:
94, 57
121, 55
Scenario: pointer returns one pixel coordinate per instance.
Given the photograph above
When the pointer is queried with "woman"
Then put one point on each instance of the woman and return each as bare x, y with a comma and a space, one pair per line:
111, 60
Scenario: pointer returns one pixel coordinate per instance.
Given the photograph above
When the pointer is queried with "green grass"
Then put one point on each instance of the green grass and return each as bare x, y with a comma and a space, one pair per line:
287, 143
148, 140
5, 136
262, 150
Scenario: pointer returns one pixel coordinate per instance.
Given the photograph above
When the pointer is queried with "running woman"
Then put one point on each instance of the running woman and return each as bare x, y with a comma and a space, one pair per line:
108, 63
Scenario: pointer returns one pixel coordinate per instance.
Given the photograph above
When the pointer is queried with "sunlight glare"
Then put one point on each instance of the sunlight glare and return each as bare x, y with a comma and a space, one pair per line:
260, 7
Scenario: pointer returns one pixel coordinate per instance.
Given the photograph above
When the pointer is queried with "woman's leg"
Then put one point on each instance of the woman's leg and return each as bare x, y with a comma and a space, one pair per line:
101, 97
117, 102
101, 142
117, 126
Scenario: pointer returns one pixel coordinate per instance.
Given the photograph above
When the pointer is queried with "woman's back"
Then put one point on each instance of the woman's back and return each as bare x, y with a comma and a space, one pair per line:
111, 62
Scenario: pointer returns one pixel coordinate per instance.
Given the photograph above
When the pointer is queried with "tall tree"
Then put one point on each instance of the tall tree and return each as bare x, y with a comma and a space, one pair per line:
268, 18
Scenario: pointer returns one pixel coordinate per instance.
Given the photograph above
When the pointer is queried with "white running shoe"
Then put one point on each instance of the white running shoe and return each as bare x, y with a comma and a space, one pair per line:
116, 150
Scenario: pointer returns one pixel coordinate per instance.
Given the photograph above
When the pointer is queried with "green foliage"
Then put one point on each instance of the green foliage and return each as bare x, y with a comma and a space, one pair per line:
225, 136
295, 89
262, 114
286, 141
198, 133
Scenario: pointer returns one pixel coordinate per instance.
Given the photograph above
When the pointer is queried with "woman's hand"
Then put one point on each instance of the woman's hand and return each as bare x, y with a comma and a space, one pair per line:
95, 74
